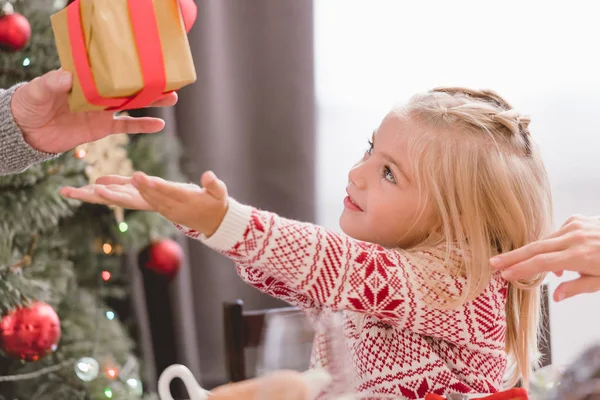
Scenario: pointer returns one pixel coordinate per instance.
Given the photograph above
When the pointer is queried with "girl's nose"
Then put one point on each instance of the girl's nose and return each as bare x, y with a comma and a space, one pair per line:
356, 176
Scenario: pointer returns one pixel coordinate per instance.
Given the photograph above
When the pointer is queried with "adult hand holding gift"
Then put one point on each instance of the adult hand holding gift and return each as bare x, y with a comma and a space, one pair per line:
124, 54
40, 110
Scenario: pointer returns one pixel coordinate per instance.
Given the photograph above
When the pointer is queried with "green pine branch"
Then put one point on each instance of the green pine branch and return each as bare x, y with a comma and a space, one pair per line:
51, 251
66, 165
152, 154
109, 345
39, 56
39, 207
64, 264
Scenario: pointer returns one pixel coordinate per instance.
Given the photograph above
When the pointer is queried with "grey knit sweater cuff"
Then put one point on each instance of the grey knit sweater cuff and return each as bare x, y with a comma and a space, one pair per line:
16, 155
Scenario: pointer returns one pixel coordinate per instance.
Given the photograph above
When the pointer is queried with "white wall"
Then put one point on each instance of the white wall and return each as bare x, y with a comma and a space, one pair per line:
372, 54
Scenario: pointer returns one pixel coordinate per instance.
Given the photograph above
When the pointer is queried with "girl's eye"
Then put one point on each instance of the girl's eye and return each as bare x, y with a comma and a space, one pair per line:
387, 174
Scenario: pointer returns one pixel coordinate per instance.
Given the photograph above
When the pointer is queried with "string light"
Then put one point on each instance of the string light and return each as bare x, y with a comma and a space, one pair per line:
80, 153
107, 248
59, 4
87, 369
136, 386
112, 373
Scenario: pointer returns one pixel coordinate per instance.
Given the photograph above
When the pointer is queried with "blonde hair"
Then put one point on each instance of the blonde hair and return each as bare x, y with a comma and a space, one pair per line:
485, 179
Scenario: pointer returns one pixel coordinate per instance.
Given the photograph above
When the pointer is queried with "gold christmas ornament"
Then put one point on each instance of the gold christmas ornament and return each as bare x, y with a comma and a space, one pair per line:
107, 156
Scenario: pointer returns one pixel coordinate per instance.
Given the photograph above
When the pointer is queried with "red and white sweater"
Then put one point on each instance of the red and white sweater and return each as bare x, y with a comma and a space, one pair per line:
397, 342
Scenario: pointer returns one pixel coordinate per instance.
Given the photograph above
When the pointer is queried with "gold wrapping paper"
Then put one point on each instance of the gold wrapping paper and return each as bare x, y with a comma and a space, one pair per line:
112, 51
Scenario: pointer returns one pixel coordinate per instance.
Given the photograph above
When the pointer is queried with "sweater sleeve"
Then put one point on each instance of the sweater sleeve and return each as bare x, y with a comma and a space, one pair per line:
277, 288
335, 271
16, 155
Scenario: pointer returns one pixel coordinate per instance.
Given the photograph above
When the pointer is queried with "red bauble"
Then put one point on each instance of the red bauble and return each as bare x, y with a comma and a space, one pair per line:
166, 257
30, 333
15, 30
189, 12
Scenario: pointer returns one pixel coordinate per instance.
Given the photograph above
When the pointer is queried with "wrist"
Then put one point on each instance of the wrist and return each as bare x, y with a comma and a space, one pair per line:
216, 219
17, 109
18, 153
229, 231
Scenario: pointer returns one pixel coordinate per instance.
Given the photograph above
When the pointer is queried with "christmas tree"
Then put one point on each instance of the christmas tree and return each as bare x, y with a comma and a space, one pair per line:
62, 272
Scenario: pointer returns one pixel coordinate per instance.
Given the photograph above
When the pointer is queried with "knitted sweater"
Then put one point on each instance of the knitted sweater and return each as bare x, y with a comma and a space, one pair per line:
16, 155
397, 342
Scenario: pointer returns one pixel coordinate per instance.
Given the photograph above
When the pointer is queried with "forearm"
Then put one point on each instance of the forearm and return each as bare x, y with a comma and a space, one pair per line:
275, 288
330, 269
16, 155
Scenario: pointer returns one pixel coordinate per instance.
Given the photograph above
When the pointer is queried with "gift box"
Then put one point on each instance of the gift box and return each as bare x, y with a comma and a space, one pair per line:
123, 54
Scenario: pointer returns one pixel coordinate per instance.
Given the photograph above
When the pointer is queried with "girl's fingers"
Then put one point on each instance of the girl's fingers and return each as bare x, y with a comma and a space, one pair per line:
125, 197
160, 194
84, 193
213, 185
113, 180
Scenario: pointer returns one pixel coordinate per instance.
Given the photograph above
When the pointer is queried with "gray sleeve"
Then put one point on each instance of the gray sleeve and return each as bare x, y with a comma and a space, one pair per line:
16, 155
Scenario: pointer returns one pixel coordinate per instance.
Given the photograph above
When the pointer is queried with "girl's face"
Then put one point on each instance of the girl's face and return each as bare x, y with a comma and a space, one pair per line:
384, 205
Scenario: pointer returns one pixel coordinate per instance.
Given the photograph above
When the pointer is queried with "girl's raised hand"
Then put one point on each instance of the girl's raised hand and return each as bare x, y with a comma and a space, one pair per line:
199, 208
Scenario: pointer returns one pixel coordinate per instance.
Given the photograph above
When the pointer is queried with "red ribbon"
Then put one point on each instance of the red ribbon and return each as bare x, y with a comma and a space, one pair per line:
145, 30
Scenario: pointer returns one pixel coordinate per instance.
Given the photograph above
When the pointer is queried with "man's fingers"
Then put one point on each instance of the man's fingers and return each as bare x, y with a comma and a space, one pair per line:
578, 222
167, 100
583, 284
45, 87
511, 258
59, 81
557, 241
544, 262
133, 125
213, 185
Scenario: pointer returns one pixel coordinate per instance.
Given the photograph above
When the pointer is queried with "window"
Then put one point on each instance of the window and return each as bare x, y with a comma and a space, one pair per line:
372, 54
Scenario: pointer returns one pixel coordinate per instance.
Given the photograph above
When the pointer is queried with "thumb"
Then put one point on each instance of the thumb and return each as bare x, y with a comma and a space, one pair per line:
44, 88
583, 284
213, 185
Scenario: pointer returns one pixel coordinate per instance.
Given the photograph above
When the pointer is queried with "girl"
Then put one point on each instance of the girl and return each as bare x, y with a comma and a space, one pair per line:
448, 181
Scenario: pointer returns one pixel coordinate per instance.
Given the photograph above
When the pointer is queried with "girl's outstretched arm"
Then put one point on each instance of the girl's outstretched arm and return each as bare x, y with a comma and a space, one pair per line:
203, 208
315, 267
335, 271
